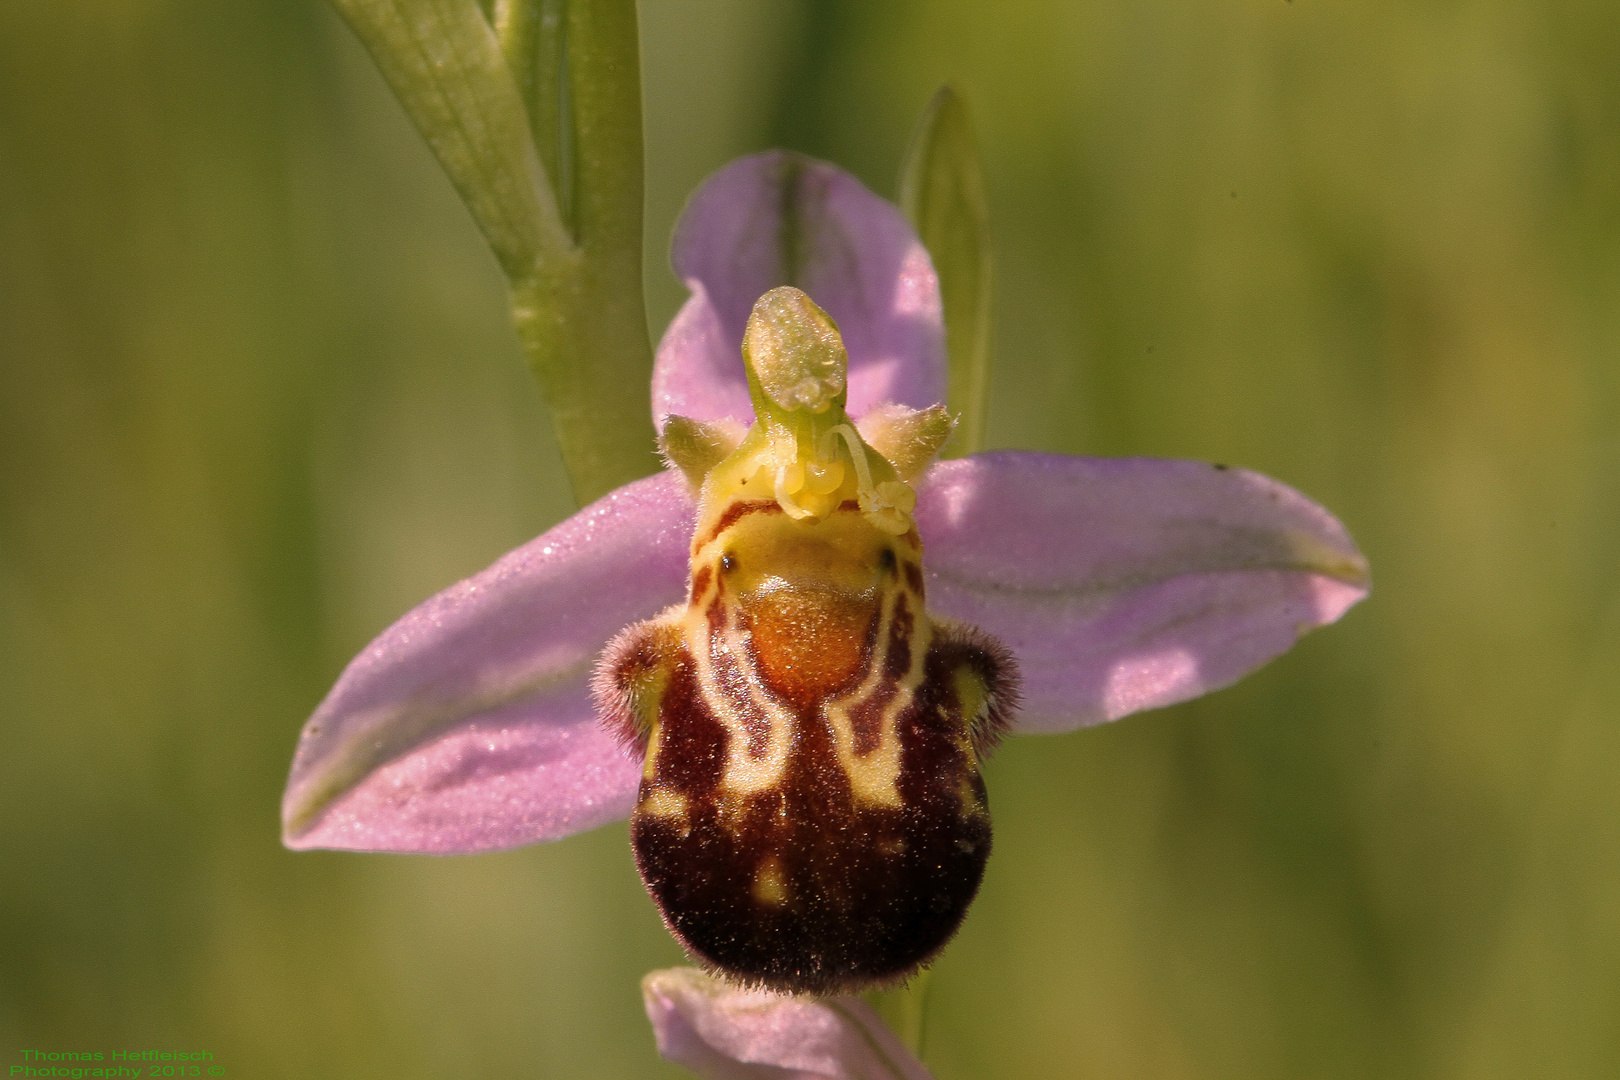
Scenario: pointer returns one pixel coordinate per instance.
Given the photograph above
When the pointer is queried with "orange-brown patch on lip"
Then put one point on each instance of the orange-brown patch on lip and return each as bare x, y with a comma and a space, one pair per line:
811, 643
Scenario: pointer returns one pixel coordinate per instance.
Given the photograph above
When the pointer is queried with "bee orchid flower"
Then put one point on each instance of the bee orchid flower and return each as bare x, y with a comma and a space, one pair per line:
786, 655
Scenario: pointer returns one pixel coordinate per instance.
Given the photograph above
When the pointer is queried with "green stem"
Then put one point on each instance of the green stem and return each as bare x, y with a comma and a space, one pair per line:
587, 344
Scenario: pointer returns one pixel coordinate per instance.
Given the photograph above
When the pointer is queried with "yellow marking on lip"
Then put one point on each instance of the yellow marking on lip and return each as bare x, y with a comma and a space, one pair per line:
770, 886
874, 777
842, 554
797, 606
650, 768
972, 695
972, 804
662, 803
744, 773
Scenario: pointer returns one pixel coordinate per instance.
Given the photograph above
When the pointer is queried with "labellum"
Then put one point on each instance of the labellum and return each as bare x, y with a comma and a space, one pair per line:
811, 816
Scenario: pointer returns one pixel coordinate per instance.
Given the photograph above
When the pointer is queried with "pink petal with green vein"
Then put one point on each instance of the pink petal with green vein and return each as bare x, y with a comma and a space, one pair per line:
467, 725
1131, 583
783, 219
723, 1033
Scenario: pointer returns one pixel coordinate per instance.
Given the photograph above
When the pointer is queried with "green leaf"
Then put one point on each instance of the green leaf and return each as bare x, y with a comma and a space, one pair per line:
533, 36
942, 192
443, 61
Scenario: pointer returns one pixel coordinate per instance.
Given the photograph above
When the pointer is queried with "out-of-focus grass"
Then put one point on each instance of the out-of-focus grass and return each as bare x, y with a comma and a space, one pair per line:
258, 396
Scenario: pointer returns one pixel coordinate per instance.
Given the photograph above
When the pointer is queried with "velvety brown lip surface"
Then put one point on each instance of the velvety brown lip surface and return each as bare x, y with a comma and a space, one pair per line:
802, 887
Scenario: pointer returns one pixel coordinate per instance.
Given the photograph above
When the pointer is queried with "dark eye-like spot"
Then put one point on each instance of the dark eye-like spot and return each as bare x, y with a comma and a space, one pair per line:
886, 560
728, 562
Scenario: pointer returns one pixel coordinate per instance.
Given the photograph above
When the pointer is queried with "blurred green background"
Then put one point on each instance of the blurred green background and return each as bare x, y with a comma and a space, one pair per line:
259, 395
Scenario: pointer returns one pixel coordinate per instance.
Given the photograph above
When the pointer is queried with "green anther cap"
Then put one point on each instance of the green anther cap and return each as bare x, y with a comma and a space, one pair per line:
794, 353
